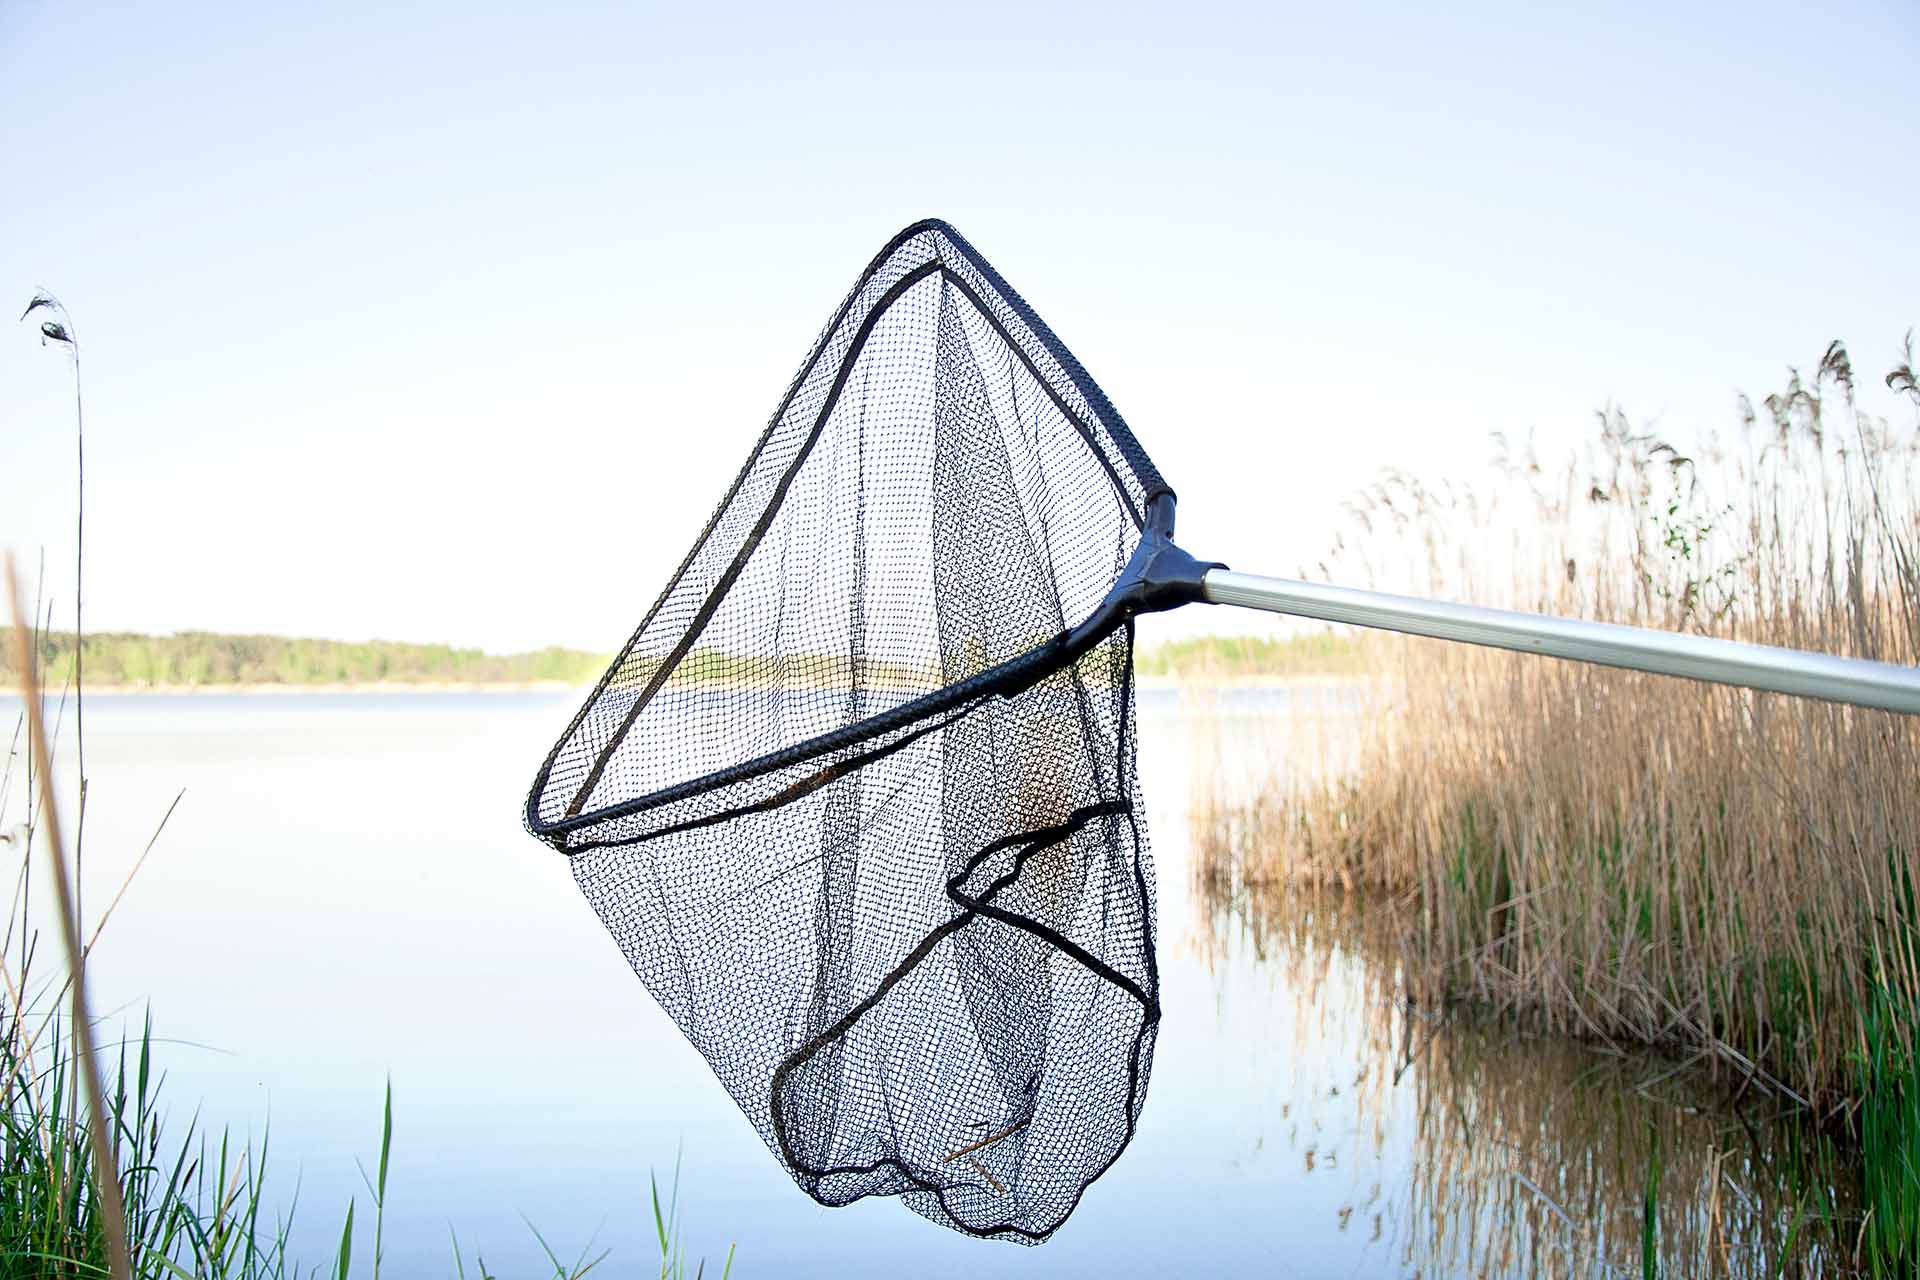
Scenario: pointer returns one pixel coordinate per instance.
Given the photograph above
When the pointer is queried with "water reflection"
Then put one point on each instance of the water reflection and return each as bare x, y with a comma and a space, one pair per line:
1528, 1155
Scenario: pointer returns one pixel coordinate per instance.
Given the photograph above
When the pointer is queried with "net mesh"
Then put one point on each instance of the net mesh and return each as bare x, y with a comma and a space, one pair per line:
858, 801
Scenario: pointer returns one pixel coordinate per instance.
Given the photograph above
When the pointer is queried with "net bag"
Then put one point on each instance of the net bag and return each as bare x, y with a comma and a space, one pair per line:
858, 800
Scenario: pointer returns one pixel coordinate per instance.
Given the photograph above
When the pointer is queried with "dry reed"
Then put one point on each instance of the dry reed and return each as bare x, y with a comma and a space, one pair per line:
1629, 857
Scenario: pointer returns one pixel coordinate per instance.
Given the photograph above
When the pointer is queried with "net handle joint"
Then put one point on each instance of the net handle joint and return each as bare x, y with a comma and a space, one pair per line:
1158, 577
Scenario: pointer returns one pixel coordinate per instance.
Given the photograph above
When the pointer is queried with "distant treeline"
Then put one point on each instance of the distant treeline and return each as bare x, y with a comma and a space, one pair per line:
206, 658
198, 658
1240, 657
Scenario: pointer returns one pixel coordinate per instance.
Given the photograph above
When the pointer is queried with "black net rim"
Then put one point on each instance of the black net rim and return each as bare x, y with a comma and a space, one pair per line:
1153, 513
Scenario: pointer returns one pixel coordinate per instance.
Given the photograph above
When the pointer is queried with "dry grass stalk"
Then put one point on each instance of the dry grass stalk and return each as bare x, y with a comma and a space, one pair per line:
106, 1170
987, 1141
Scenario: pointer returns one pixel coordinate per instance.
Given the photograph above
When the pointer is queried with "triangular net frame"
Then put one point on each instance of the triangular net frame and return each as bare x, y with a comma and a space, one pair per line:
858, 799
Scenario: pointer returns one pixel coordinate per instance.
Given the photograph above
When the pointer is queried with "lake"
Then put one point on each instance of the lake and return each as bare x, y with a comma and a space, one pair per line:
345, 896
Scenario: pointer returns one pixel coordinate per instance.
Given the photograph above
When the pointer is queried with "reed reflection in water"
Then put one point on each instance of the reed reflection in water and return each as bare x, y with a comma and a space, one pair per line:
1525, 1154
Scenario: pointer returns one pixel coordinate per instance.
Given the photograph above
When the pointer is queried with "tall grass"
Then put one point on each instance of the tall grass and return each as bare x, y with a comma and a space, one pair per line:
1641, 859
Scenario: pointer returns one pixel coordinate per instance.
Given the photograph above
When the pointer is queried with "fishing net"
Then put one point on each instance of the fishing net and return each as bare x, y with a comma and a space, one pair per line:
858, 799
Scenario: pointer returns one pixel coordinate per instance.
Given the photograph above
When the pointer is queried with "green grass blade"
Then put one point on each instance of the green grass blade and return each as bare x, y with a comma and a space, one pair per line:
380, 1190
346, 1246
659, 1219
552, 1261
1793, 1229
1650, 1218
386, 1139
146, 1062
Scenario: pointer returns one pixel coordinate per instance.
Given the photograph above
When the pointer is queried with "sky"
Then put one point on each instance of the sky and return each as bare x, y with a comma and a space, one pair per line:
452, 322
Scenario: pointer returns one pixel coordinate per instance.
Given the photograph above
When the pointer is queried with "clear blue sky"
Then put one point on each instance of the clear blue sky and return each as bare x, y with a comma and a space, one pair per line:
452, 321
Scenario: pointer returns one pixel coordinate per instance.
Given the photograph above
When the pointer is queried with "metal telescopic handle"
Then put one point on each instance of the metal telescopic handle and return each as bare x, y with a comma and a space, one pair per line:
1752, 666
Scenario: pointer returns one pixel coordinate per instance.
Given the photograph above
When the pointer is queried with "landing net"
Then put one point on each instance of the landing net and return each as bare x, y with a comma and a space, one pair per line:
858, 799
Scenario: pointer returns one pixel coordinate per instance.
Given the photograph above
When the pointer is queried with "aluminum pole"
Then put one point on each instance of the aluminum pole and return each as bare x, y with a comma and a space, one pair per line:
1808, 675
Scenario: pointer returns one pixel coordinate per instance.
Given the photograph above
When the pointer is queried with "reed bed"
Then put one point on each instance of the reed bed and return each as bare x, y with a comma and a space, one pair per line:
1629, 858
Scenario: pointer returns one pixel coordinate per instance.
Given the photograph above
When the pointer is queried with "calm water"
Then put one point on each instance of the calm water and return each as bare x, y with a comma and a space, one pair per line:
345, 894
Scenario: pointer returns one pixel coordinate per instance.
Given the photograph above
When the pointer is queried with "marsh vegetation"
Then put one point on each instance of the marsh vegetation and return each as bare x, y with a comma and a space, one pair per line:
1727, 876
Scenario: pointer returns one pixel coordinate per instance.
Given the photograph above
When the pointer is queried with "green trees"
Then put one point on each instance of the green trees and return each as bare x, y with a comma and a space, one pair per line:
200, 658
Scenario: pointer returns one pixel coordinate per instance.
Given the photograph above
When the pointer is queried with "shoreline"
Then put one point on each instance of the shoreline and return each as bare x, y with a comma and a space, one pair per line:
1211, 684
1142, 683
363, 686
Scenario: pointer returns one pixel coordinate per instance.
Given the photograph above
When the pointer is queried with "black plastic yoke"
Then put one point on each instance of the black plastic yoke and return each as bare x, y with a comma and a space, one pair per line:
1159, 576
